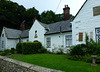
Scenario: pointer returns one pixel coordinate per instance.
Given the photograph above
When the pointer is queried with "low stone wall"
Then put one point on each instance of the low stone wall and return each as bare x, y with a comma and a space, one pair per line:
10, 65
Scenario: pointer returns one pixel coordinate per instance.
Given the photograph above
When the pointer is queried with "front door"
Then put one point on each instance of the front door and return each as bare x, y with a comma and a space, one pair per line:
97, 34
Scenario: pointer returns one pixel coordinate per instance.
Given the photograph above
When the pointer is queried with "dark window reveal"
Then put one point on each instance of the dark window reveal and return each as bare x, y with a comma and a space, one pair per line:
96, 11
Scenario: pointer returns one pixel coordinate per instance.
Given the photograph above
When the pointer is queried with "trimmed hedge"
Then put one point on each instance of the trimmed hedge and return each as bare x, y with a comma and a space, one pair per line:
31, 47
19, 47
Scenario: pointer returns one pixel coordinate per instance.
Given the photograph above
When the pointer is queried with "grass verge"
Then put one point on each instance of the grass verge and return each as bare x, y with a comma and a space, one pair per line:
58, 62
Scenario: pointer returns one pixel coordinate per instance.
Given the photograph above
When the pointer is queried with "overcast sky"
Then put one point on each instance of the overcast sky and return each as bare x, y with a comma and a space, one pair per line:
44, 5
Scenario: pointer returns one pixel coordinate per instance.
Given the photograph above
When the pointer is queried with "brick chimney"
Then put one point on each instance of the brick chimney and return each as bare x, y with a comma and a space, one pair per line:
66, 11
22, 26
34, 20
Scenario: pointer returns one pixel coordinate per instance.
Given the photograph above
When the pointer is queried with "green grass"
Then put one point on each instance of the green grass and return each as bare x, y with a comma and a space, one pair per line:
58, 62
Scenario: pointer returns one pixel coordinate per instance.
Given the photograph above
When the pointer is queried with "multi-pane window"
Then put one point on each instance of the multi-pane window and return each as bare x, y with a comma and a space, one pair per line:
68, 40
48, 40
98, 34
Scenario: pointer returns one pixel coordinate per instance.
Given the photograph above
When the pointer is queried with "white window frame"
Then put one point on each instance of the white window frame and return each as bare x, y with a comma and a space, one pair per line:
68, 40
48, 42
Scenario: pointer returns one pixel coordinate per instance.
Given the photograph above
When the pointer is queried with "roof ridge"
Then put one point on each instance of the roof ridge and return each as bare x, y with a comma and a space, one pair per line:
12, 28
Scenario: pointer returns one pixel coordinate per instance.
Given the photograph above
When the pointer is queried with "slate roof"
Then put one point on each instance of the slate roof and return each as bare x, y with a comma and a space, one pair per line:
14, 34
62, 26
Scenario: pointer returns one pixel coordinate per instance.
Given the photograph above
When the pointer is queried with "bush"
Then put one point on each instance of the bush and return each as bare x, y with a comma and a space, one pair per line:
6, 52
19, 47
78, 50
76, 57
31, 47
42, 50
13, 50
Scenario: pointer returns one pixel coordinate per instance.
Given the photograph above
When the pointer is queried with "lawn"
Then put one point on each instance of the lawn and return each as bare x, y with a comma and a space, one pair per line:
58, 62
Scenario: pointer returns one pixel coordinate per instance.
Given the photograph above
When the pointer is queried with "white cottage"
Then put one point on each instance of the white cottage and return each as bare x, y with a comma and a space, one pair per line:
55, 35
10, 37
87, 21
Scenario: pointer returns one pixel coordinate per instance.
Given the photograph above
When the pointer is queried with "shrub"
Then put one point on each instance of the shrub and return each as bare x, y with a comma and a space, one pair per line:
78, 50
27, 47
98, 59
42, 50
31, 47
37, 46
7, 51
19, 47
13, 50
76, 57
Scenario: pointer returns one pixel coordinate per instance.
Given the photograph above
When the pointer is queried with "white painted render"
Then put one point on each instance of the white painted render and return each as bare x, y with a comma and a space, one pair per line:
25, 39
40, 32
57, 40
85, 22
11, 43
4, 40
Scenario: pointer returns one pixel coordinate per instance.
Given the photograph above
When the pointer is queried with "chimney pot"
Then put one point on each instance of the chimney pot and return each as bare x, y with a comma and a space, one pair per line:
66, 12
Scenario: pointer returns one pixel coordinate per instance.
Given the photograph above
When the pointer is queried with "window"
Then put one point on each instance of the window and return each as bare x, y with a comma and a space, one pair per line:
68, 40
80, 36
96, 11
35, 34
97, 34
48, 40
2, 44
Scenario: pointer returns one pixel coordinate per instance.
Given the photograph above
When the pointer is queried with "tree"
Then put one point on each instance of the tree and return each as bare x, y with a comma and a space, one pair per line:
49, 17
30, 14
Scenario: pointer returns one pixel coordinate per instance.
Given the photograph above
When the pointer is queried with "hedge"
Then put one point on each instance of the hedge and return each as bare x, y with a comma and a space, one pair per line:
31, 47
19, 47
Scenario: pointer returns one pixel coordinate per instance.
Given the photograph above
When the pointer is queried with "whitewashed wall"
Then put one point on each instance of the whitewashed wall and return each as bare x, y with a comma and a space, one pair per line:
3, 39
40, 32
11, 43
85, 21
25, 39
57, 40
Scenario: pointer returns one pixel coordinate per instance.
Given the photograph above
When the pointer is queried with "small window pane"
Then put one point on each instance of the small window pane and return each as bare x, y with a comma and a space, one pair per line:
68, 40
48, 40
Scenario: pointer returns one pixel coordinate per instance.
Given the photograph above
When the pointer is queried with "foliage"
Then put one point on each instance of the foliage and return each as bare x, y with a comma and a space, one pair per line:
93, 47
58, 62
50, 17
13, 50
6, 52
31, 47
19, 47
42, 50
78, 50
12, 14
84, 51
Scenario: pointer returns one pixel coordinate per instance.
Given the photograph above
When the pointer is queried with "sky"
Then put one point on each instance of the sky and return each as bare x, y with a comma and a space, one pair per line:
54, 5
